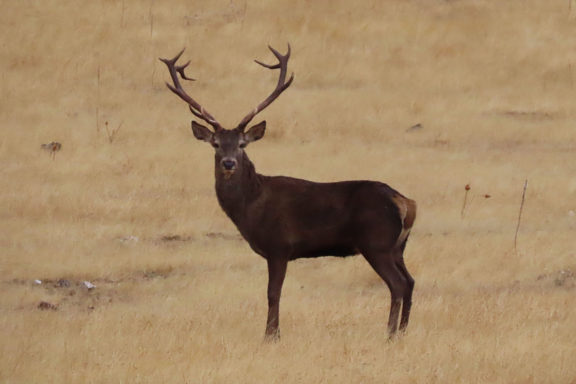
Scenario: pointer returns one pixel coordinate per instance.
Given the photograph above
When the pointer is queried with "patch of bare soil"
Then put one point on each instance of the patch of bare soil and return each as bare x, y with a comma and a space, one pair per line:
175, 238
224, 236
64, 294
528, 115
67, 294
564, 278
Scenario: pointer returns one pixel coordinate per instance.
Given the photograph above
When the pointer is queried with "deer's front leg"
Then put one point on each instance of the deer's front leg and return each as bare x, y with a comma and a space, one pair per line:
276, 274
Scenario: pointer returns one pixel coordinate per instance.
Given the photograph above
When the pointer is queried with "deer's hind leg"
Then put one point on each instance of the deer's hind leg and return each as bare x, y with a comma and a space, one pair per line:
385, 265
407, 299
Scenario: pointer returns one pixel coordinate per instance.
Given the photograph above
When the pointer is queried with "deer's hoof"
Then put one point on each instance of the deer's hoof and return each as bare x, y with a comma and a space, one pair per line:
272, 337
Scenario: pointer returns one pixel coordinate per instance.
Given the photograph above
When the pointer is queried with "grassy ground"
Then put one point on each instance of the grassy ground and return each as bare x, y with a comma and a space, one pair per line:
180, 297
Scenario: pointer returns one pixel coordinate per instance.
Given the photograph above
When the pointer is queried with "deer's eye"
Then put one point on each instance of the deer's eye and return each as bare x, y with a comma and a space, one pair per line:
216, 145
243, 145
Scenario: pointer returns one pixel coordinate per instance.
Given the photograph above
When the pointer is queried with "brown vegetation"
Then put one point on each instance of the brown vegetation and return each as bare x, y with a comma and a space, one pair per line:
178, 298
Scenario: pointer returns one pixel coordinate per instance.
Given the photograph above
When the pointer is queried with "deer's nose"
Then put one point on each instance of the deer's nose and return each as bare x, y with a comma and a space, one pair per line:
229, 164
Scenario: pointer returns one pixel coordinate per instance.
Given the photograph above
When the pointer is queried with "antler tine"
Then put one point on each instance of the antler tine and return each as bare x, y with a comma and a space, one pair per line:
170, 63
180, 69
278, 55
280, 87
196, 108
174, 59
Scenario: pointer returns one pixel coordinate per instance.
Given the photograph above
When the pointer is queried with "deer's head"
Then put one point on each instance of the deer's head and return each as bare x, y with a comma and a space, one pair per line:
228, 144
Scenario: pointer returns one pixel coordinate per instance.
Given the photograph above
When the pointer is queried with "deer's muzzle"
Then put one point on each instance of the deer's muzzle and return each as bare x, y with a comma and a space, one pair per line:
228, 164
228, 167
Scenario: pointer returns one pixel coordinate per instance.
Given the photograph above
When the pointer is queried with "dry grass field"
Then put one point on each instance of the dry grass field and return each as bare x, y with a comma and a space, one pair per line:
179, 297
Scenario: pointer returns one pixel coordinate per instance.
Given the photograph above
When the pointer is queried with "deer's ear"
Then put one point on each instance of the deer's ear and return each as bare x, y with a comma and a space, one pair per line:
201, 132
255, 132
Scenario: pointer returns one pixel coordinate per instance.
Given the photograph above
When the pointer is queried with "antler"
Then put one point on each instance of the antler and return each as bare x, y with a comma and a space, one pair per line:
195, 108
280, 87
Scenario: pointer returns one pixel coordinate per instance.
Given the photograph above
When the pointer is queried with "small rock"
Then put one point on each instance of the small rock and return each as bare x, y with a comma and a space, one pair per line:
38, 282
89, 285
129, 239
45, 306
571, 213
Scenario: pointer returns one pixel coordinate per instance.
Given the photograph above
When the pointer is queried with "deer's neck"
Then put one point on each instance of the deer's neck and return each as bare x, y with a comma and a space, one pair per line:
238, 190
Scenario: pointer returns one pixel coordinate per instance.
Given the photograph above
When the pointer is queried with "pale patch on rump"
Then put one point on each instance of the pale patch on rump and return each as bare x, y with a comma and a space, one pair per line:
407, 210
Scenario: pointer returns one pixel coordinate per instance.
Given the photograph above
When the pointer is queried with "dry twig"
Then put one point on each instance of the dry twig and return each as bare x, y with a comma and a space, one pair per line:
112, 132
520, 214
466, 189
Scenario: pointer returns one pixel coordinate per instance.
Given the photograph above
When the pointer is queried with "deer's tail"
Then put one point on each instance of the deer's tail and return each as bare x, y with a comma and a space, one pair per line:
407, 210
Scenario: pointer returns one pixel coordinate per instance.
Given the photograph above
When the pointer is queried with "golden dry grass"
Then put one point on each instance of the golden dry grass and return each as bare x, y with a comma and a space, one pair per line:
179, 297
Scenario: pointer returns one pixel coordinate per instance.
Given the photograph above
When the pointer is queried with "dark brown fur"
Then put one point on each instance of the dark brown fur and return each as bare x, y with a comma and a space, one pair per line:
284, 218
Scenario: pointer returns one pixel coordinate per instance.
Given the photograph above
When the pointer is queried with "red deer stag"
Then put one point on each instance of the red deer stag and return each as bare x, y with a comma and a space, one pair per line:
283, 218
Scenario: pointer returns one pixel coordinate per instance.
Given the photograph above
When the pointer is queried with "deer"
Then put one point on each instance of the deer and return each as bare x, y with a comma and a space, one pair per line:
284, 218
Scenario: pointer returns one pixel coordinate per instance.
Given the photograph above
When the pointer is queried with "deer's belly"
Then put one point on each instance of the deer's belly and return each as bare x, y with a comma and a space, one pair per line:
334, 250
